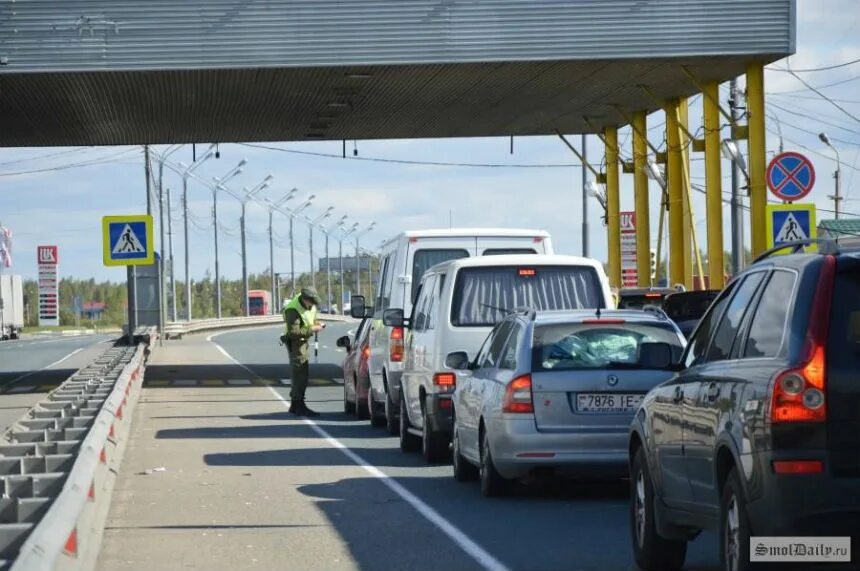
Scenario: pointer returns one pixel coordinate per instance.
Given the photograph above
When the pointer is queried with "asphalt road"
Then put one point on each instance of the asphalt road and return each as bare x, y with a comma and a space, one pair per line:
405, 514
31, 367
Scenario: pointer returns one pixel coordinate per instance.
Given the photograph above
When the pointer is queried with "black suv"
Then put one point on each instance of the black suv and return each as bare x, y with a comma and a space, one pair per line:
759, 432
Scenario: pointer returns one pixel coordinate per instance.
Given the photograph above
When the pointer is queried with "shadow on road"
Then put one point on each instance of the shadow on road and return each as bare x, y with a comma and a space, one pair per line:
48, 378
231, 371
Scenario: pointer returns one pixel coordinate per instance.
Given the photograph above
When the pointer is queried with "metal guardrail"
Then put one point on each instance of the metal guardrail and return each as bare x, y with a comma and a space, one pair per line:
58, 464
176, 329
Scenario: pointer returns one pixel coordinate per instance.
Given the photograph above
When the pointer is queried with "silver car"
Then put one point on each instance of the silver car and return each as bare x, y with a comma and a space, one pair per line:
557, 391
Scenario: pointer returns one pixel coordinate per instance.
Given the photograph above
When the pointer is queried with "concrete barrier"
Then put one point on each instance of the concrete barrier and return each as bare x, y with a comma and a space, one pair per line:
85, 424
176, 329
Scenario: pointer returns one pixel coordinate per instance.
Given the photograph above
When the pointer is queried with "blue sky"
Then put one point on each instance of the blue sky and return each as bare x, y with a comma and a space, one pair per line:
65, 206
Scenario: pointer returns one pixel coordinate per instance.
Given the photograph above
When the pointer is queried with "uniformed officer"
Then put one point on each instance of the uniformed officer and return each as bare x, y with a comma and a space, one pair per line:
300, 316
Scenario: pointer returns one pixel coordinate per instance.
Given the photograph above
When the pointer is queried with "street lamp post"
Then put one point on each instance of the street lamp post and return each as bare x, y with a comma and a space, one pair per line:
311, 224
272, 206
249, 194
219, 185
160, 158
358, 236
346, 235
187, 170
327, 232
837, 176
292, 214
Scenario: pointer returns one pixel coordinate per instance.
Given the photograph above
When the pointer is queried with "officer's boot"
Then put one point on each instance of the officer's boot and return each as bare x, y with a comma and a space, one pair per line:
297, 407
307, 411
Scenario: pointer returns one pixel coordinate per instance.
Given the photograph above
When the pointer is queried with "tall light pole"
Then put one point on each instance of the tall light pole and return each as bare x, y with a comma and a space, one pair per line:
292, 214
837, 175
249, 194
340, 240
327, 231
187, 170
311, 224
272, 206
219, 185
358, 236
172, 273
160, 158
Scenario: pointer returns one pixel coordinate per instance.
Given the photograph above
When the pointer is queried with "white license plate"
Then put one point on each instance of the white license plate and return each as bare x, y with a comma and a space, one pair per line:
608, 402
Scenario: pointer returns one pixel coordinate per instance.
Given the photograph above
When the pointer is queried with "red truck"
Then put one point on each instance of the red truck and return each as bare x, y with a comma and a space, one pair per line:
259, 302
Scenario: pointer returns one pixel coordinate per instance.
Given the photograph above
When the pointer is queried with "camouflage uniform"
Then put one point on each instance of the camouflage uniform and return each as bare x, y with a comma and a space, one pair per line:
298, 331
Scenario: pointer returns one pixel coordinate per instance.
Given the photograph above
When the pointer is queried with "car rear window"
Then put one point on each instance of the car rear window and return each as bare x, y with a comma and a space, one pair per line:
639, 301
483, 296
423, 260
577, 346
684, 307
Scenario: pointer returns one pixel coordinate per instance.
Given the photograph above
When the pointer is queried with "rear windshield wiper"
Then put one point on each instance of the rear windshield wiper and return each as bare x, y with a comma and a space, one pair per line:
502, 309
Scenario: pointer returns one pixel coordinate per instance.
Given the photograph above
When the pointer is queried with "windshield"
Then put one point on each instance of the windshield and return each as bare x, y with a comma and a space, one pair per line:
574, 346
483, 296
256, 302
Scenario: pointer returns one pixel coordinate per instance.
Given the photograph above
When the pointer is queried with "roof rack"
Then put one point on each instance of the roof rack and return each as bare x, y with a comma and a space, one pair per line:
528, 312
825, 246
657, 311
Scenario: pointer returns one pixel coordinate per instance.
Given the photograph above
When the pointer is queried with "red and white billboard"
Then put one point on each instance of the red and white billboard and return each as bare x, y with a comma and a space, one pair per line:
48, 258
629, 275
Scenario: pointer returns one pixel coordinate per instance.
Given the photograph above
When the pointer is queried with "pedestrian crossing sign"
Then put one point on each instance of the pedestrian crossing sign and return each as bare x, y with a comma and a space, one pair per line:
128, 240
790, 223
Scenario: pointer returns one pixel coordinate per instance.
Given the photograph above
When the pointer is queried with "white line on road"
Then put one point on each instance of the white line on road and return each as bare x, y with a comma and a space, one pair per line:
54, 364
478, 553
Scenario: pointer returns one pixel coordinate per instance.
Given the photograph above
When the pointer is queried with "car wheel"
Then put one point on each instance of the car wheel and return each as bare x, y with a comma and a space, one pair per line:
361, 411
376, 420
651, 551
348, 406
734, 527
464, 471
434, 445
493, 485
408, 441
391, 423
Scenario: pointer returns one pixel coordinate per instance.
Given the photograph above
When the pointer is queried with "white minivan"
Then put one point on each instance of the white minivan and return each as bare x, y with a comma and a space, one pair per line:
403, 260
458, 303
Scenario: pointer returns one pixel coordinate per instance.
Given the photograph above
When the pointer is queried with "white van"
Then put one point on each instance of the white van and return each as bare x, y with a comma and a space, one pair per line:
458, 304
403, 261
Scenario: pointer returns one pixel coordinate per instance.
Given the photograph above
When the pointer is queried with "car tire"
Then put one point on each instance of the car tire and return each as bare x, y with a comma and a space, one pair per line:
493, 485
408, 441
348, 407
361, 410
464, 471
376, 420
651, 551
734, 527
391, 423
434, 445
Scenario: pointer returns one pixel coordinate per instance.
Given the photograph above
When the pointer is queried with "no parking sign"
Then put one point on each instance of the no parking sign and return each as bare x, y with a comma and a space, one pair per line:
790, 176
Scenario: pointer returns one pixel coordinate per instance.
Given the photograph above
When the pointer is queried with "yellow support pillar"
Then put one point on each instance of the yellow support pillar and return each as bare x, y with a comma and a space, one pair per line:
679, 240
758, 192
613, 205
713, 184
640, 193
686, 143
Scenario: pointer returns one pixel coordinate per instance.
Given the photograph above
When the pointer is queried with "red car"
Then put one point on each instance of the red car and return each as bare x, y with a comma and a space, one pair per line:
356, 378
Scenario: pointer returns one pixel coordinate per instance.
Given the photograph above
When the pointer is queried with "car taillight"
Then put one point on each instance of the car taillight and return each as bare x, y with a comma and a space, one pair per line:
799, 393
798, 466
444, 379
395, 345
526, 272
653, 295
365, 353
518, 395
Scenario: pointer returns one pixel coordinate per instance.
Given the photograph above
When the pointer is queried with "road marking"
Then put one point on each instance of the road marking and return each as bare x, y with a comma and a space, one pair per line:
456, 535
478, 553
46, 367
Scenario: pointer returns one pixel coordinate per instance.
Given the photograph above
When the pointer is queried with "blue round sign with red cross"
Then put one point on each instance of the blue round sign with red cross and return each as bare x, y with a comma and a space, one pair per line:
790, 176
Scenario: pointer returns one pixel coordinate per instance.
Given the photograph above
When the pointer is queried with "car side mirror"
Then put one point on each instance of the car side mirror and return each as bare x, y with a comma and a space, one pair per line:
656, 356
393, 318
458, 360
343, 342
357, 308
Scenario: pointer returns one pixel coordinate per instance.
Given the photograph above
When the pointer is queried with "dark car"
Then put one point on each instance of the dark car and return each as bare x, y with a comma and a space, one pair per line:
356, 379
639, 297
759, 432
686, 308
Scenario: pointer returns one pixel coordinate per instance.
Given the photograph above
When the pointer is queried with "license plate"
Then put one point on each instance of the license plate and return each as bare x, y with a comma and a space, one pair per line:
608, 402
